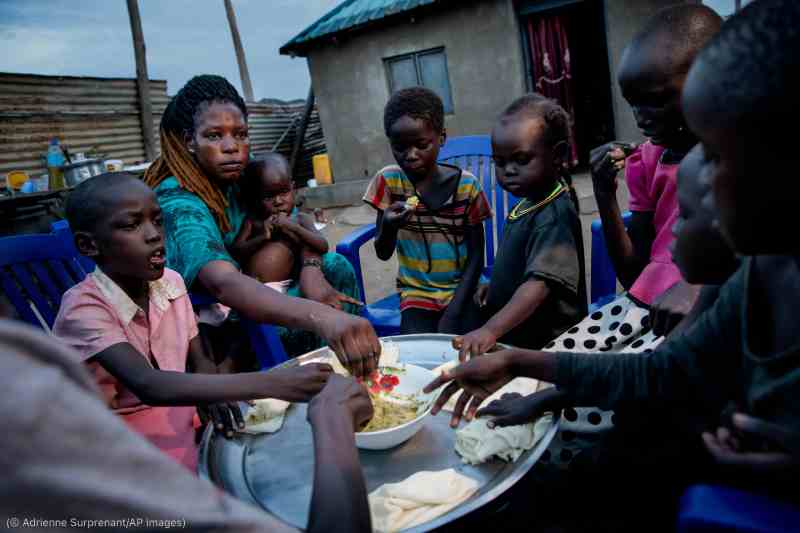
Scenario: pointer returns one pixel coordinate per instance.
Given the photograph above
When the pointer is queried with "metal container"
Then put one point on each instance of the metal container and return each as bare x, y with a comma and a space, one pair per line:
82, 170
275, 471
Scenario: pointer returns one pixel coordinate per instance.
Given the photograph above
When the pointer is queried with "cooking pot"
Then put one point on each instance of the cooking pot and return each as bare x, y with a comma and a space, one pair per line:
79, 171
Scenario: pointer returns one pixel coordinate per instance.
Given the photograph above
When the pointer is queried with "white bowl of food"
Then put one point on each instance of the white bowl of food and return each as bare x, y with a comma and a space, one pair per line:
400, 406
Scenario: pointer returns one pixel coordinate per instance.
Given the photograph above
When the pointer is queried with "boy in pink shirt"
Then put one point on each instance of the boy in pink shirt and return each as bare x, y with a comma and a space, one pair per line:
132, 322
97, 314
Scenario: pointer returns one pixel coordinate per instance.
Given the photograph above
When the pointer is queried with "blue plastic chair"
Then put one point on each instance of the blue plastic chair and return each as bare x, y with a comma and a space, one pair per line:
718, 509
472, 153
36, 270
604, 277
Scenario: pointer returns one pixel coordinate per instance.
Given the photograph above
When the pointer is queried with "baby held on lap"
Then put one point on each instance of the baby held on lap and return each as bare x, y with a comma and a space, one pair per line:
272, 237
268, 245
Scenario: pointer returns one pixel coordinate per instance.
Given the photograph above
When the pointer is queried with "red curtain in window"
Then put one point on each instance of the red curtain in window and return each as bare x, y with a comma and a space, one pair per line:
552, 73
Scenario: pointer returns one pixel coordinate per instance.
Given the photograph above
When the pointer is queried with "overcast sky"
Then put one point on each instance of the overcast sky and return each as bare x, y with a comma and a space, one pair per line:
183, 38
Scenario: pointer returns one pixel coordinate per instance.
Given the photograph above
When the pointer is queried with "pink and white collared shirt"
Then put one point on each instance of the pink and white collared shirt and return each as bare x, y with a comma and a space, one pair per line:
96, 314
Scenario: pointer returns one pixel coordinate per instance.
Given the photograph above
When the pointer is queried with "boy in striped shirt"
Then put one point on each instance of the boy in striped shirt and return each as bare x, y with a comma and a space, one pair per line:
432, 214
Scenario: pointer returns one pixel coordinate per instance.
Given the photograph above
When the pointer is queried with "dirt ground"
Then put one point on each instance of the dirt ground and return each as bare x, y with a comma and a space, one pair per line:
379, 276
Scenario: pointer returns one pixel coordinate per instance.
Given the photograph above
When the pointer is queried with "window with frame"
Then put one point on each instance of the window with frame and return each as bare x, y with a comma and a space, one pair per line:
427, 69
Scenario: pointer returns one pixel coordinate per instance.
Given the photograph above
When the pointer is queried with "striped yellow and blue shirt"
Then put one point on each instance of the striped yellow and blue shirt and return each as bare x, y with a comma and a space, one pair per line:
431, 247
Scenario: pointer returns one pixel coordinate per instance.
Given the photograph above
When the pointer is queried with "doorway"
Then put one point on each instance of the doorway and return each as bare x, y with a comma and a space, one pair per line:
566, 58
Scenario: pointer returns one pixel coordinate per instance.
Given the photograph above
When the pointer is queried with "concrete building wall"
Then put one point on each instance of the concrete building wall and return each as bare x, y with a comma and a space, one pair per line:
623, 20
485, 65
484, 61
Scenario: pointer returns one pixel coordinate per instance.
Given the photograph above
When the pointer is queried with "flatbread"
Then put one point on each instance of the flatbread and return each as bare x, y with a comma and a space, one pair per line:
418, 499
265, 416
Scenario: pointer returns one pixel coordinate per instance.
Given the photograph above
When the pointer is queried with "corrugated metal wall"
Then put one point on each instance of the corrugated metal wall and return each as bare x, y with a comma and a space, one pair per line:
102, 114
84, 113
274, 127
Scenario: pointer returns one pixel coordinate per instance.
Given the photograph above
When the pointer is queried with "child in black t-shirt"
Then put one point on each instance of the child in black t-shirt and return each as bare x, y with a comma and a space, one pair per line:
537, 289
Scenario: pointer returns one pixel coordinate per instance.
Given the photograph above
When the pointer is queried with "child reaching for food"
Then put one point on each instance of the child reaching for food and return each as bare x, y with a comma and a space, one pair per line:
132, 323
431, 213
651, 74
538, 288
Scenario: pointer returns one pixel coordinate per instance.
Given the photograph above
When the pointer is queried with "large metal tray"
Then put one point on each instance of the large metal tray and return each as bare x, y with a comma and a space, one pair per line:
276, 471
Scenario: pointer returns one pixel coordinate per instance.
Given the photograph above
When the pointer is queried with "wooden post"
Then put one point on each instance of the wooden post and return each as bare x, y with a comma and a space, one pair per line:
142, 81
247, 87
301, 132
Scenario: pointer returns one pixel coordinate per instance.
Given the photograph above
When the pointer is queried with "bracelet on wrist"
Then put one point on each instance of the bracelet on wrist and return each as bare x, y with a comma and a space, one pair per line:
316, 263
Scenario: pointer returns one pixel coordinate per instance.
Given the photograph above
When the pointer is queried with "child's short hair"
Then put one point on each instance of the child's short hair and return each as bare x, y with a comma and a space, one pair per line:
750, 67
687, 28
86, 203
535, 105
250, 185
415, 102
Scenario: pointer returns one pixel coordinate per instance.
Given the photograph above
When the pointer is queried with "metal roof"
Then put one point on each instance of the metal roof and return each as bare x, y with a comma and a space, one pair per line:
350, 14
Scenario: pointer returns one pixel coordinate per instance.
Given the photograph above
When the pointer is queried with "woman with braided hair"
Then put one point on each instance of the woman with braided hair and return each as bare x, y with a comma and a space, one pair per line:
204, 149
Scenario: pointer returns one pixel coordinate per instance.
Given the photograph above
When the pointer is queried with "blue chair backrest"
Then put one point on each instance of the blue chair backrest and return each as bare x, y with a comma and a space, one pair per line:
474, 153
36, 270
604, 277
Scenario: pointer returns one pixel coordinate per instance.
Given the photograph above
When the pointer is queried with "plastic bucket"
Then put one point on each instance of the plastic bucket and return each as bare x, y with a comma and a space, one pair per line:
322, 169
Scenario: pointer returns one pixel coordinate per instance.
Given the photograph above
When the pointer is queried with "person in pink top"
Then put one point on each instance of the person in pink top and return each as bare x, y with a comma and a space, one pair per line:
651, 75
132, 323
97, 314
652, 184
652, 71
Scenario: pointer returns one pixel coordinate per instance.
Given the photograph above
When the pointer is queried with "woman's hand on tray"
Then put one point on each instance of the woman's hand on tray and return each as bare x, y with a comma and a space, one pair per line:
353, 340
346, 393
479, 378
297, 384
514, 409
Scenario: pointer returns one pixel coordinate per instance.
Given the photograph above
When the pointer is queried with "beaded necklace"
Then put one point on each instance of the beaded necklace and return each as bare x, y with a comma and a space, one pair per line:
520, 210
